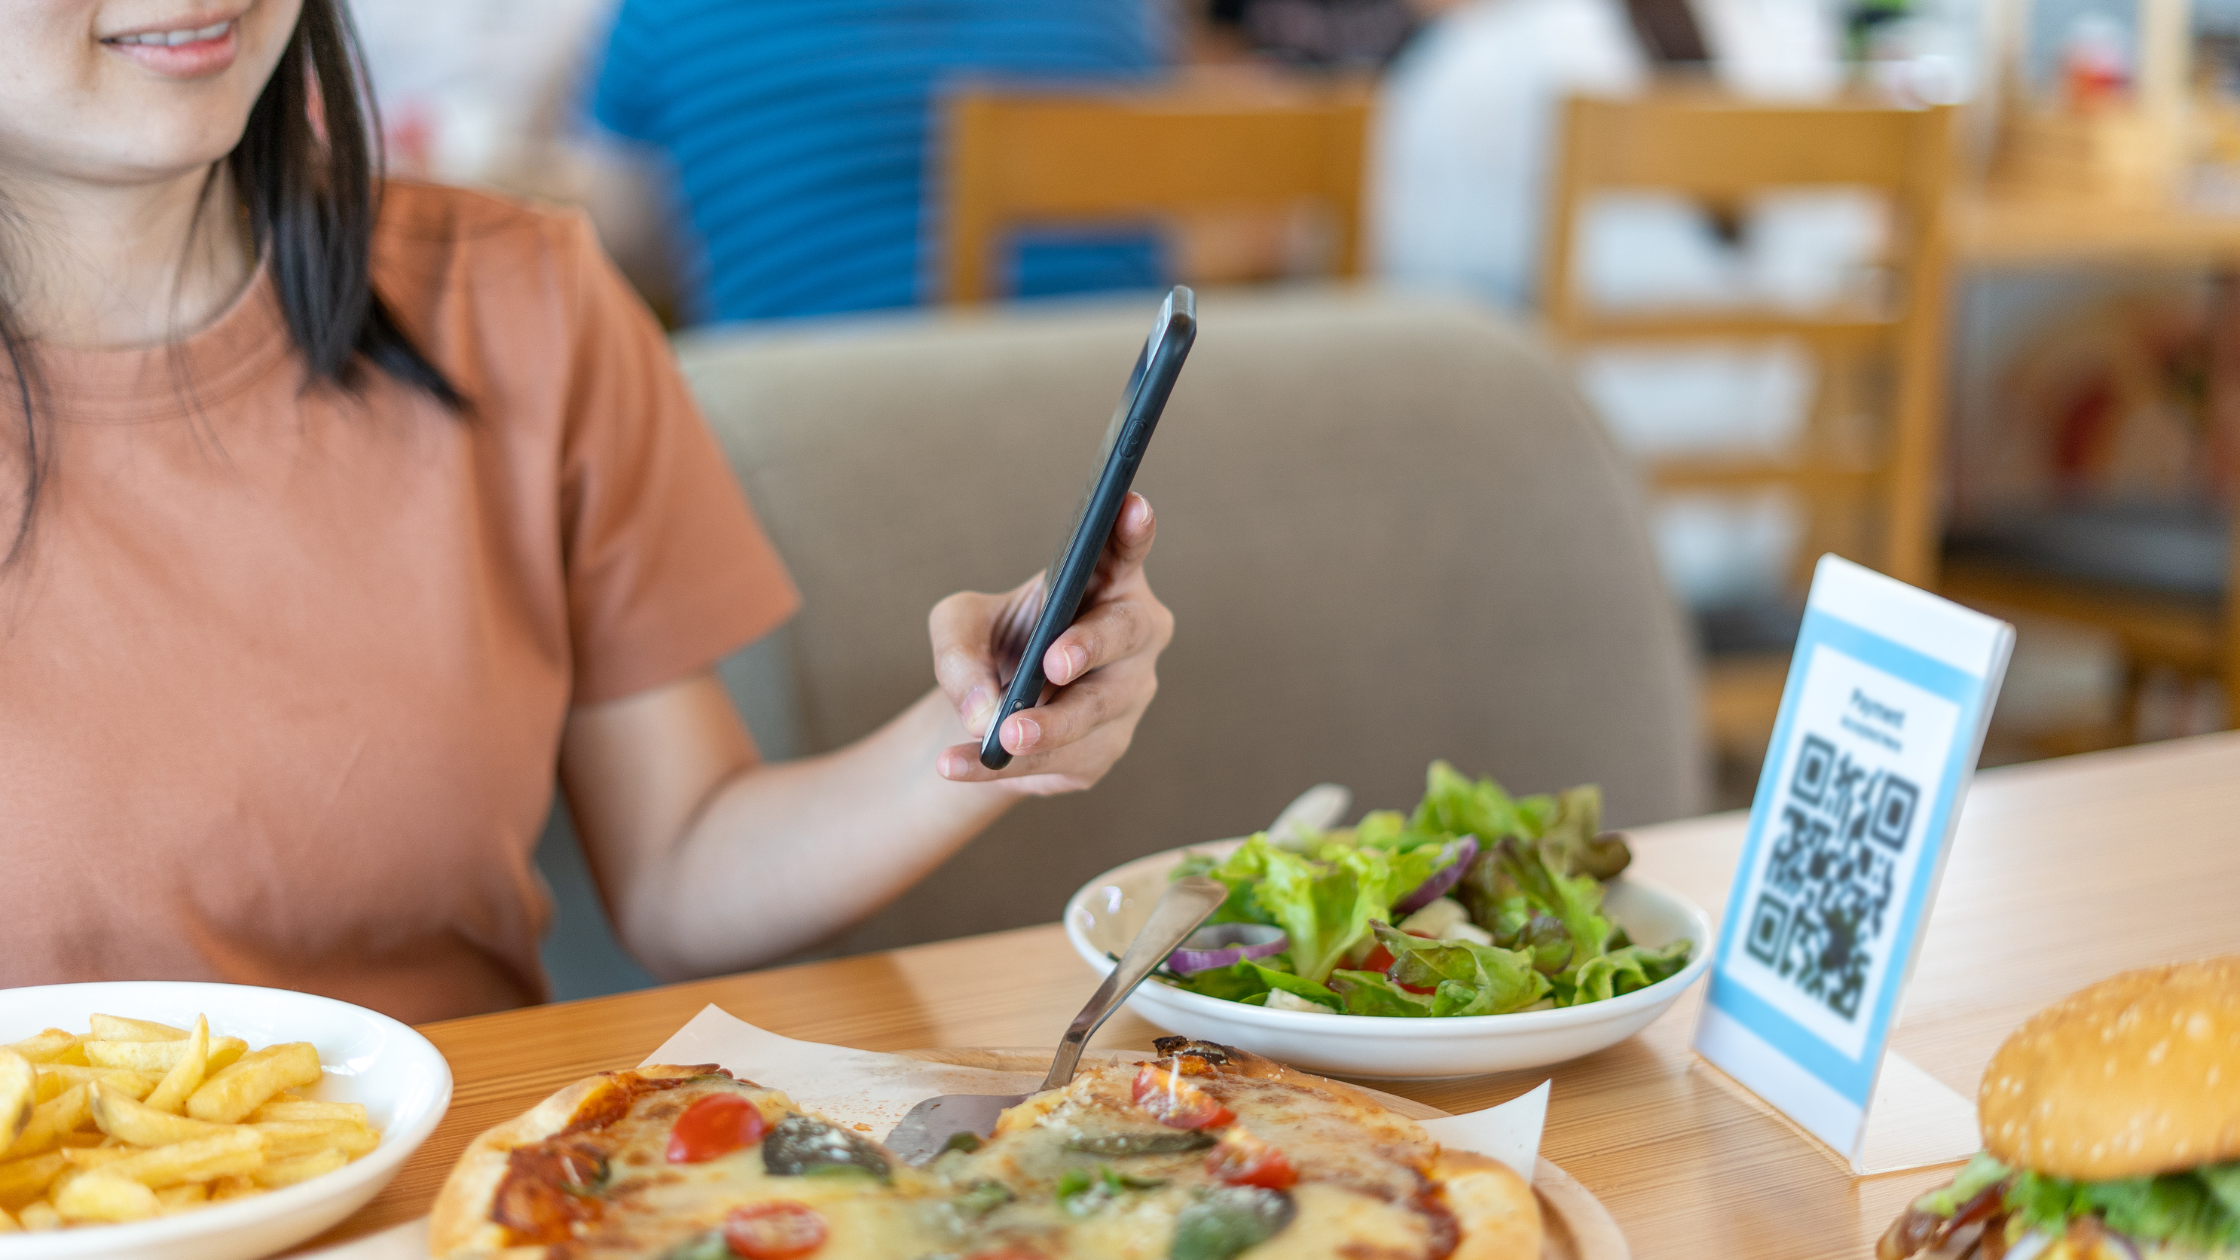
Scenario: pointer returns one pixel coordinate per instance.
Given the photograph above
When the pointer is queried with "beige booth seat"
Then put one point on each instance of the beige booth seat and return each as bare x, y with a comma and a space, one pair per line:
1388, 532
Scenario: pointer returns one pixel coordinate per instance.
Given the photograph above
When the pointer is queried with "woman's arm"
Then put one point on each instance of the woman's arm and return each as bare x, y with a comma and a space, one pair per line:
710, 862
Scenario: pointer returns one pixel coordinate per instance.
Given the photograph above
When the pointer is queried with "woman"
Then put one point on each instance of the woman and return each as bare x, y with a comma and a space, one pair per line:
340, 517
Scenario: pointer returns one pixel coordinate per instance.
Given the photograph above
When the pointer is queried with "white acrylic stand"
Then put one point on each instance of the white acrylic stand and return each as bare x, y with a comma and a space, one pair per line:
1913, 1120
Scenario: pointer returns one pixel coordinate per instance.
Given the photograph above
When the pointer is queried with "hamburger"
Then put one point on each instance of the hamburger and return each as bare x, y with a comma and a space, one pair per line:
2111, 1131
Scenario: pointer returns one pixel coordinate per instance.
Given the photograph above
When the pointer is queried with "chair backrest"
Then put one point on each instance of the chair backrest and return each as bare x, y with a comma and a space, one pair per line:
1722, 152
1020, 159
1387, 528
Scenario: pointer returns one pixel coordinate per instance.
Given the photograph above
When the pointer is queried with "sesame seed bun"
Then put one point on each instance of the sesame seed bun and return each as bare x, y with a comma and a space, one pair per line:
2136, 1075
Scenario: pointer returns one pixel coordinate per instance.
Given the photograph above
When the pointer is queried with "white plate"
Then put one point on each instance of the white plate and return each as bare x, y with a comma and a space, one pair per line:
1105, 915
403, 1081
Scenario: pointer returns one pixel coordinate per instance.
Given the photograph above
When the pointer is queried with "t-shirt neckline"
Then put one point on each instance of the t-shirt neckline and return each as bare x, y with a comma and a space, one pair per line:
248, 340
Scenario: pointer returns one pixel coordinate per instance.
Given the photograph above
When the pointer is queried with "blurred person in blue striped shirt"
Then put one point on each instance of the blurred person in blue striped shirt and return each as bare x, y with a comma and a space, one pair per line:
802, 136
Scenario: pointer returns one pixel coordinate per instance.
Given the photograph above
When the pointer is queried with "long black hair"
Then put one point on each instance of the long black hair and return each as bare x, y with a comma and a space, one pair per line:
308, 170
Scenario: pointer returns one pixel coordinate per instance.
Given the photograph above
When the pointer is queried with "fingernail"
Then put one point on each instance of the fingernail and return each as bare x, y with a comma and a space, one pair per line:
978, 704
1024, 734
1077, 663
949, 765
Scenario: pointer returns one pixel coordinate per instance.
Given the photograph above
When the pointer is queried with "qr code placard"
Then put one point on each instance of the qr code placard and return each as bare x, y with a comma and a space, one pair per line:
1839, 843
1832, 873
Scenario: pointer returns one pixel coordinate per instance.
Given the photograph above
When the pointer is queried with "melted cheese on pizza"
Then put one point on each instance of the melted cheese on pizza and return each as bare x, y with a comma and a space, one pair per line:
1356, 1186
626, 1201
1229, 1157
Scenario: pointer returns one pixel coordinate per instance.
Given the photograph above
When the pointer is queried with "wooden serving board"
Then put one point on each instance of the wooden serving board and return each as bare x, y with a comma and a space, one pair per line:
1578, 1227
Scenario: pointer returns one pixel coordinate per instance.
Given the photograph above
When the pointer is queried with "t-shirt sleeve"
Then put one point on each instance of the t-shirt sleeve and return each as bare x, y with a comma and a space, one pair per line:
668, 571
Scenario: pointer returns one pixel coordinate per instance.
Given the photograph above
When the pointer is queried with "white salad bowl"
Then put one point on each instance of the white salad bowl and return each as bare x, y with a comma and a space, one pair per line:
1104, 916
369, 1058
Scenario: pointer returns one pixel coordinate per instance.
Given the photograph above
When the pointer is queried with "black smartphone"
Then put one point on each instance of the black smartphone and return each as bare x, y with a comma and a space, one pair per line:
1067, 578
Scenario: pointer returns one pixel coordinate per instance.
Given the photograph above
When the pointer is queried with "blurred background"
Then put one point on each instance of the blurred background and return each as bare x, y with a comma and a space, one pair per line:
1547, 343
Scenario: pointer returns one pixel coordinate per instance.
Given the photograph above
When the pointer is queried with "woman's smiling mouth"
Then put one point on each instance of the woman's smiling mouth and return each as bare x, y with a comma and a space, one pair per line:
187, 51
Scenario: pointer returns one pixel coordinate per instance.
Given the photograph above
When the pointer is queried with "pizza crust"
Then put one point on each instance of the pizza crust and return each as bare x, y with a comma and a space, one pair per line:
1496, 1211
460, 1228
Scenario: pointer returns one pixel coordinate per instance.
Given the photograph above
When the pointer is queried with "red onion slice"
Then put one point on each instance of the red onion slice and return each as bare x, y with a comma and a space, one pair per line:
1447, 877
1226, 943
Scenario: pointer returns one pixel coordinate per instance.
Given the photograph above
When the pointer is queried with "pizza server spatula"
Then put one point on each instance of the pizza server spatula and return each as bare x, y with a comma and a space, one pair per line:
933, 1124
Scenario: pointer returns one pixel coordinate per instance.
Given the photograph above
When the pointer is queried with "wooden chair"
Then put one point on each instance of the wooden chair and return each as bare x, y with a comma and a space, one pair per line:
2192, 637
1022, 159
1870, 495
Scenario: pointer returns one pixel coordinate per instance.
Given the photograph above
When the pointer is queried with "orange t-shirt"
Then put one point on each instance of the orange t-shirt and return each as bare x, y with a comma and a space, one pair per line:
283, 670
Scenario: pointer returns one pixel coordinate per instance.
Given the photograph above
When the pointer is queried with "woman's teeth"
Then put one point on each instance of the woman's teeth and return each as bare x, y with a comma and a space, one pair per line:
175, 37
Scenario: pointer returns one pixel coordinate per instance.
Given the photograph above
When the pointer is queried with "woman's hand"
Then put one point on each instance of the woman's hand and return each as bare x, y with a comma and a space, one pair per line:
1104, 669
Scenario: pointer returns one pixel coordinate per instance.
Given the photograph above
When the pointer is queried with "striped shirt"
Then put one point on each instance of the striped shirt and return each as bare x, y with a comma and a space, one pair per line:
802, 134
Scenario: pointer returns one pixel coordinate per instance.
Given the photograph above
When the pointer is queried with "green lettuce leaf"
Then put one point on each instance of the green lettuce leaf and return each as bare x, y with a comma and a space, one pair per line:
1371, 993
1573, 841
1237, 982
1981, 1173
1488, 980
1297, 986
1250, 980
1624, 970
2043, 1202
2223, 1181
1238, 871
1325, 904
2178, 1208
2185, 1208
1455, 806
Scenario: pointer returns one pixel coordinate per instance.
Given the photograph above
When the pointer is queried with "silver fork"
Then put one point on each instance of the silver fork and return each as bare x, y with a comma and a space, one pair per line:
932, 1125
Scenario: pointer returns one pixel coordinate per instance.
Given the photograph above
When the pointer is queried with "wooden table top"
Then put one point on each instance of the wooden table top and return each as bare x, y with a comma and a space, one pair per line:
2063, 872
1995, 229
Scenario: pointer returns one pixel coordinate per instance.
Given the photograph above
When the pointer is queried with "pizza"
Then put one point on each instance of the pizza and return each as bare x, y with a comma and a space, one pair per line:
1202, 1153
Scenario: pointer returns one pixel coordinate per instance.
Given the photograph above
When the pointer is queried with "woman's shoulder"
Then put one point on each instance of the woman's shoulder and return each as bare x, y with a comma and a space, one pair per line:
436, 245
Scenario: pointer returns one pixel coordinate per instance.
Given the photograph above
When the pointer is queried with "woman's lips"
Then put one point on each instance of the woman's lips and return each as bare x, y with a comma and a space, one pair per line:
194, 59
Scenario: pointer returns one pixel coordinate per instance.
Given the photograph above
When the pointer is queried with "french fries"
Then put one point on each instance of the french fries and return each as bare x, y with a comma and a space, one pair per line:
56, 1077
118, 1028
236, 1091
159, 1057
137, 1119
186, 1075
141, 1125
19, 1089
52, 1046
99, 1196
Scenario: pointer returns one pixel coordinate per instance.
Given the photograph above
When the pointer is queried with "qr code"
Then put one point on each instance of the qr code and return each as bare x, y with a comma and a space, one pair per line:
1832, 874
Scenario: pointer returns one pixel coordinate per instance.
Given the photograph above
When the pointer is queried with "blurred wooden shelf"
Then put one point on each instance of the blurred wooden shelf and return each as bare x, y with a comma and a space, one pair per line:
1737, 325
1992, 229
1741, 696
2166, 630
1811, 477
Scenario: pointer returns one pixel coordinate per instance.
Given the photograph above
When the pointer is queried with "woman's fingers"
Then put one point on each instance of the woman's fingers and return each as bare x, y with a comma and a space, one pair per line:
1121, 618
1047, 768
1079, 710
1101, 670
964, 628
1132, 534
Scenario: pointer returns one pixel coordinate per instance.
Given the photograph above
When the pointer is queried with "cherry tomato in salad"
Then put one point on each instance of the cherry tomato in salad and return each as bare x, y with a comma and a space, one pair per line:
1381, 959
780, 1229
716, 1125
1244, 1160
1176, 1103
